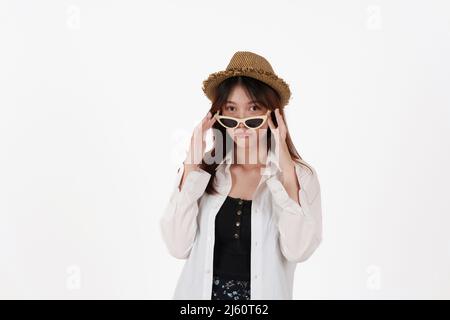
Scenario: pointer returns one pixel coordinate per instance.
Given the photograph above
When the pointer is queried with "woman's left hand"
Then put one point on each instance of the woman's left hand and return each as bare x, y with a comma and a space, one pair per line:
287, 165
281, 147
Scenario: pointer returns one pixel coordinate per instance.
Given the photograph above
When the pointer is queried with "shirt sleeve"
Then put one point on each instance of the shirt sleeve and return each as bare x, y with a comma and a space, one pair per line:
178, 224
299, 225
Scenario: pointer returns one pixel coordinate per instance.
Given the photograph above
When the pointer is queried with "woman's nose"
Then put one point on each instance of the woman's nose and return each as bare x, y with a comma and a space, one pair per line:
241, 125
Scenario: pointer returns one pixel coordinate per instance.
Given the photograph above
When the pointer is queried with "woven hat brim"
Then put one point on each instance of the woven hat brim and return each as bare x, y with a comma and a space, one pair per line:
278, 84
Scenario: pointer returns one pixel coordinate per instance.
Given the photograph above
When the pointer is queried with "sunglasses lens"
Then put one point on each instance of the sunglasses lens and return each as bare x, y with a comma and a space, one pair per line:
229, 123
253, 123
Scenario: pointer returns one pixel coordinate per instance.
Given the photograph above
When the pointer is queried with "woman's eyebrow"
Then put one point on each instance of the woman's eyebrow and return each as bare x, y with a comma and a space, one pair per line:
250, 102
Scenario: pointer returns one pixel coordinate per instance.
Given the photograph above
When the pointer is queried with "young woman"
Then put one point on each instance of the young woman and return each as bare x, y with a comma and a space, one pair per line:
247, 211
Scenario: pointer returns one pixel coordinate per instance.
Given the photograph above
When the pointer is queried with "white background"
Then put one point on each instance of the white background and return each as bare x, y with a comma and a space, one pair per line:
97, 100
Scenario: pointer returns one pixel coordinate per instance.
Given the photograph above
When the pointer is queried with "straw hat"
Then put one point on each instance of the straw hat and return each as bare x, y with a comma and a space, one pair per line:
245, 63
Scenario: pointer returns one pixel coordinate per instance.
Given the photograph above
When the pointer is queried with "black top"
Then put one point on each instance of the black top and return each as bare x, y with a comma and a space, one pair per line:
233, 239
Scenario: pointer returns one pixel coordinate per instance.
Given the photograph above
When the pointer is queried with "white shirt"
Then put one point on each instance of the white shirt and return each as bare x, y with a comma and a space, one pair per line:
283, 232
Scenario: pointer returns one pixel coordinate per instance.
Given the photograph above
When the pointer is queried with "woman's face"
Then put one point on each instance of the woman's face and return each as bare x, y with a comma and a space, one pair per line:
239, 105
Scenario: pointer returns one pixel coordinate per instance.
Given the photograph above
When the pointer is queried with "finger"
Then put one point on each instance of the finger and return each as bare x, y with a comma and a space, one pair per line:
279, 118
277, 115
207, 125
203, 125
211, 121
270, 122
207, 117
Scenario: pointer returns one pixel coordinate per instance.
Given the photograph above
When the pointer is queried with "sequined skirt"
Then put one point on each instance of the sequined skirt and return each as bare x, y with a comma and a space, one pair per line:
230, 289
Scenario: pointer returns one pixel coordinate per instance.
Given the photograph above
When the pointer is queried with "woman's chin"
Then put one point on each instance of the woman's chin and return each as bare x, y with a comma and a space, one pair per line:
244, 141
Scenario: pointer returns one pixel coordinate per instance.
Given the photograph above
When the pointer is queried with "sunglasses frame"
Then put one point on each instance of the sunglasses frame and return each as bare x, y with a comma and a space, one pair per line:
238, 120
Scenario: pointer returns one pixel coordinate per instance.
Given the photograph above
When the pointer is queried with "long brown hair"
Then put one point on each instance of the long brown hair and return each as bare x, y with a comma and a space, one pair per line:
265, 96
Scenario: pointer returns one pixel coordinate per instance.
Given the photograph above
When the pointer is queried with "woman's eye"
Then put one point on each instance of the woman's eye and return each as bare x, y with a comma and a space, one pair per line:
255, 107
229, 108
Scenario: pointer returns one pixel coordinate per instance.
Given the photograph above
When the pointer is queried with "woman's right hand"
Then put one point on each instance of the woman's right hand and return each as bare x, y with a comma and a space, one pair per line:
198, 144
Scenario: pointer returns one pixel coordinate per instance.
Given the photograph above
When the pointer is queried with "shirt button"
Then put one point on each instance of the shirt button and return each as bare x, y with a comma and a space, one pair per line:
256, 243
238, 224
236, 236
239, 212
255, 276
240, 201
